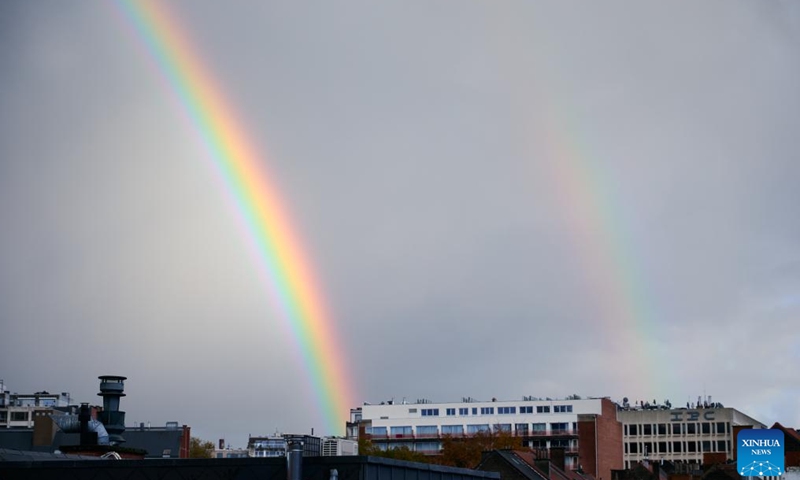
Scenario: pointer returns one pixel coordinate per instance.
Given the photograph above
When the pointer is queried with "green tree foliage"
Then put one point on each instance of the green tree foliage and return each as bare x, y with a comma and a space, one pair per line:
199, 448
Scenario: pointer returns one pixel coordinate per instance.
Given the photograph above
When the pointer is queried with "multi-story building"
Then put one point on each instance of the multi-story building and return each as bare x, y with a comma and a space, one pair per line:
275, 445
659, 432
20, 410
541, 424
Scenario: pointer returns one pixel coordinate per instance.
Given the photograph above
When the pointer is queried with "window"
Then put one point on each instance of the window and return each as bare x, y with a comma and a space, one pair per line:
478, 428
452, 429
474, 410
463, 411
559, 443
560, 427
676, 447
676, 428
647, 429
633, 447
562, 408
427, 430
428, 447
502, 427
539, 428
400, 431
691, 447
19, 416
543, 409
538, 444
720, 427
3, 416
706, 428
487, 410
507, 410
378, 431
451, 412
721, 446
662, 428
521, 428
526, 409
662, 447
706, 446
632, 429
691, 428
412, 410
430, 412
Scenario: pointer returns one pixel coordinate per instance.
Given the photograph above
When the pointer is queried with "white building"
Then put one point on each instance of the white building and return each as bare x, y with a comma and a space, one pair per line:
421, 426
18, 410
680, 434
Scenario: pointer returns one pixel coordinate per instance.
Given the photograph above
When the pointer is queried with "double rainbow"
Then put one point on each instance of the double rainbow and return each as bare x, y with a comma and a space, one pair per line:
242, 167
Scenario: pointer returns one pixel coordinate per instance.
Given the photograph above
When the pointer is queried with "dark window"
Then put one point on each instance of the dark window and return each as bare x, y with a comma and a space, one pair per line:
633, 447
527, 409
647, 429
706, 428
19, 416
487, 410
691, 428
662, 428
521, 428
451, 411
676, 447
721, 446
691, 447
676, 428
506, 410
706, 446
720, 427
662, 447
539, 428
560, 427
632, 430
463, 411
543, 409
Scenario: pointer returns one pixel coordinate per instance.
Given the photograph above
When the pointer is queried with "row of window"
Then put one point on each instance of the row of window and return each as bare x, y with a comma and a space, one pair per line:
648, 448
518, 428
450, 412
690, 428
15, 416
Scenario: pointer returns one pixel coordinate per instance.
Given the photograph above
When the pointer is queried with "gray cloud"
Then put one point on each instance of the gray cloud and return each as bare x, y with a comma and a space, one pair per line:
487, 193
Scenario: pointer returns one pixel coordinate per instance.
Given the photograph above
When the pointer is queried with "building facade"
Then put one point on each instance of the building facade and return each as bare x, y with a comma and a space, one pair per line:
541, 423
681, 434
20, 410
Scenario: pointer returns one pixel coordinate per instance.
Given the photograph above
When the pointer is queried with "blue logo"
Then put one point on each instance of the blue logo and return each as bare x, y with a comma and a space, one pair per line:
759, 452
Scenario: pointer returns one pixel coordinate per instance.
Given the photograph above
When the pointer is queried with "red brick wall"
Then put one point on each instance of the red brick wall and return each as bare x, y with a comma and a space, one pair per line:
609, 441
587, 447
600, 442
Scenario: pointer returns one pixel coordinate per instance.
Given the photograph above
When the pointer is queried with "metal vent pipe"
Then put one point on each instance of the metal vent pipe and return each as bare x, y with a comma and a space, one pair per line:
294, 459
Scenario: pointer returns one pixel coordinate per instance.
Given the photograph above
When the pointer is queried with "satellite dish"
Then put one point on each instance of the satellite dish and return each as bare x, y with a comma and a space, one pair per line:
624, 399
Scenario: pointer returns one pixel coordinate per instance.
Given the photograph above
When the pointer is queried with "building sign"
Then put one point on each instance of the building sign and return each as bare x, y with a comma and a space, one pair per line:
691, 415
759, 452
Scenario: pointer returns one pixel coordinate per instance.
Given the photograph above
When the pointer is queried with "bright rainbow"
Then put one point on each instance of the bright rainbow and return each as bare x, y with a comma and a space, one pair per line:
248, 182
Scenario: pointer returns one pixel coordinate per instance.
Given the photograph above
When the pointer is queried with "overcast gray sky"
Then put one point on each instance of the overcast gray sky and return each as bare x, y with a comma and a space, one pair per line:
499, 199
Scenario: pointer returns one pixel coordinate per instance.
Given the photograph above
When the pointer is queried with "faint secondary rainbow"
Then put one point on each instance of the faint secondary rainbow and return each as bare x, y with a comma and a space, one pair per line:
242, 167
588, 199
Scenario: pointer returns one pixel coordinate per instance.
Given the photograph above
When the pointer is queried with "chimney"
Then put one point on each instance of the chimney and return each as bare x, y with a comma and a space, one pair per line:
558, 457
294, 458
112, 388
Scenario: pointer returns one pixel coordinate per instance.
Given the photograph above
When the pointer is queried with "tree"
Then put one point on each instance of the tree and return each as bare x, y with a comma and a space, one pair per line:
199, 448
466, 452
